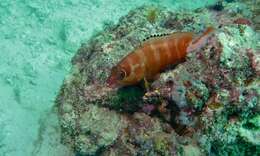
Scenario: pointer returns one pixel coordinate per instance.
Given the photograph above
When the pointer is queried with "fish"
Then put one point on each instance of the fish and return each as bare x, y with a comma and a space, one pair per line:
153, 56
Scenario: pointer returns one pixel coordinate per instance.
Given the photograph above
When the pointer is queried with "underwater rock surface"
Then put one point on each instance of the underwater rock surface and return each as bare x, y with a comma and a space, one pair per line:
207, 105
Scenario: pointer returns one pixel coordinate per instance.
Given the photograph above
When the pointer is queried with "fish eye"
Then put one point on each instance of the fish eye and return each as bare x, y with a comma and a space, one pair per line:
121, 74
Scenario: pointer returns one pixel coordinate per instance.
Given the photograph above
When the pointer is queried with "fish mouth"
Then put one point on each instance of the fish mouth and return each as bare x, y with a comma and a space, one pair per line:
111, 82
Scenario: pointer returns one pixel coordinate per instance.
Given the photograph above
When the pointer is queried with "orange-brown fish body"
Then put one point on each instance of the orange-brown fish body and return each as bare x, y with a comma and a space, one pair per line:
150, 58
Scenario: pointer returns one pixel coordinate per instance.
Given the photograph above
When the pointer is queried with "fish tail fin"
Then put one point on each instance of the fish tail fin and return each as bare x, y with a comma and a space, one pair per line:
201, 40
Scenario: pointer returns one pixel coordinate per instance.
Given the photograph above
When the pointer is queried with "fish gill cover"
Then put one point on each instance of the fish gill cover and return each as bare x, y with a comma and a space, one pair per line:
207, 105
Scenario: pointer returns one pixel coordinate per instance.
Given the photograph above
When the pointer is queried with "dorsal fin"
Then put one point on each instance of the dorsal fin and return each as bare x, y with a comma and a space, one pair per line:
155, 36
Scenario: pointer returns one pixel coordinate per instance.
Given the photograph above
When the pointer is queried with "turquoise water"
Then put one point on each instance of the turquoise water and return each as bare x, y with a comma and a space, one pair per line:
37, 40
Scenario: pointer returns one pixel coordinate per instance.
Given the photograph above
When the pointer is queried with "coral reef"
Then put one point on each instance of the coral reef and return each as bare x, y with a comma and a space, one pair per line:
207, 105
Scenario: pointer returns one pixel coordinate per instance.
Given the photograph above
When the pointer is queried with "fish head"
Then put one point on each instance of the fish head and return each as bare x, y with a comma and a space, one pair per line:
117, 76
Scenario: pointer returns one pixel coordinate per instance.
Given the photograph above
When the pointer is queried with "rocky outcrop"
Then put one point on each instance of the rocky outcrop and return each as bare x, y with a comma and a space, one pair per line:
207, 104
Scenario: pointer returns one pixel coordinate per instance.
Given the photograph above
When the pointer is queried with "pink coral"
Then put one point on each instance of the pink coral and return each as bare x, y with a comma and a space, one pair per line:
242, 21
255, 64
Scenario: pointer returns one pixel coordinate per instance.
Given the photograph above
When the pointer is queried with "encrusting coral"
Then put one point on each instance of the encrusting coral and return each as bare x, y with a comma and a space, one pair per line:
207, 105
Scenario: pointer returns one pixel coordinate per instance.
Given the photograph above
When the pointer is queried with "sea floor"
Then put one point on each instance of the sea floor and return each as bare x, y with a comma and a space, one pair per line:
37, 40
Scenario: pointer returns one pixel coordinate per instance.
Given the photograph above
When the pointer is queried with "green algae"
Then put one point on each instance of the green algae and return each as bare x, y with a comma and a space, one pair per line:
152, 15
190, 150
161, 145
197, 95
127, 99
250, 131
